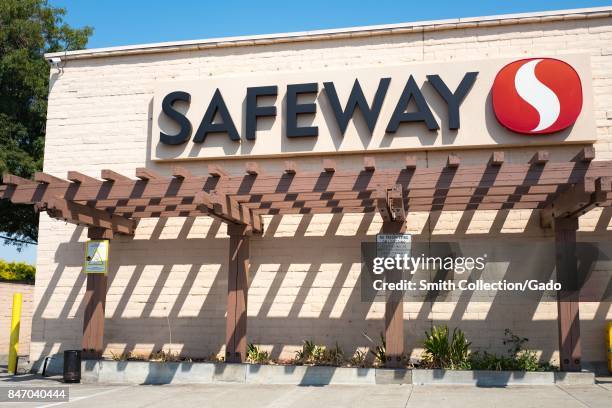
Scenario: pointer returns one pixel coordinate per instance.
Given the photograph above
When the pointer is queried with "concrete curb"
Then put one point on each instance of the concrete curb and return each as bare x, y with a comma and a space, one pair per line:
481, 378
583, 378
142, 372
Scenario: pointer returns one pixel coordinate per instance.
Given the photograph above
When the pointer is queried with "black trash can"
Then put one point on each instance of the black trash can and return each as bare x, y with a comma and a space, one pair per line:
72, 366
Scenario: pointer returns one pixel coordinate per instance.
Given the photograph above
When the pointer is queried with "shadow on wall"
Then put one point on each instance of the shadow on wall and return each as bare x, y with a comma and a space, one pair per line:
168, 290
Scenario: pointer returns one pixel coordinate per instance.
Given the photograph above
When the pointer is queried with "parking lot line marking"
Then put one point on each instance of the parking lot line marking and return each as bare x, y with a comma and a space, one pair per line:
81, 398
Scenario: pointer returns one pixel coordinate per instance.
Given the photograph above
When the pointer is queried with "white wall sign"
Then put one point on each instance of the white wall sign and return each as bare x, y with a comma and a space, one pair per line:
407, 107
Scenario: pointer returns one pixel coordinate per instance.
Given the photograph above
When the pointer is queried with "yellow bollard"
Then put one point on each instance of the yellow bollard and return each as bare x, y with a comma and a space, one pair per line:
609, 341
15, 322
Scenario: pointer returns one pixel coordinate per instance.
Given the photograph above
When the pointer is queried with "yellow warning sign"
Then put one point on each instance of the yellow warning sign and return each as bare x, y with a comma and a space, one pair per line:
96, 256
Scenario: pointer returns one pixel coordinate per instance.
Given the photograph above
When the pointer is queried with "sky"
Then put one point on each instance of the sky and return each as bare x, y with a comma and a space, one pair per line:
126, 22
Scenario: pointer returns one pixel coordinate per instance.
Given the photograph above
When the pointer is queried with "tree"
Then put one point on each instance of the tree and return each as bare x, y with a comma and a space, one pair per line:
28, 29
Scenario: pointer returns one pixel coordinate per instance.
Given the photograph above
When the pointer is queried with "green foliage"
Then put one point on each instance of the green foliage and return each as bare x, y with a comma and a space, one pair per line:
305, 355
128, 356
488, 361
17, 271
526, 360
312, 353
256, 355
380, 351
359, 359
515, 343
333, 356
28, 29
459, 350
453, 353
518, 357
442, 352
163, 356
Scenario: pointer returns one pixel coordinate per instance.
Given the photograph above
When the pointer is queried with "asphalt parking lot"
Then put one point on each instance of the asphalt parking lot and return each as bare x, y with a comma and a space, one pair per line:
278, 396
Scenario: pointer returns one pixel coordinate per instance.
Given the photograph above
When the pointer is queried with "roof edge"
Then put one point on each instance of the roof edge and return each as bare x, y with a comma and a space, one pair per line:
338, 33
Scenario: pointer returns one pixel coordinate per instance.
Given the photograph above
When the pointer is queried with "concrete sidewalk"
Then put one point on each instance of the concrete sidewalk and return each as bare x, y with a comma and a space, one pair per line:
278, 396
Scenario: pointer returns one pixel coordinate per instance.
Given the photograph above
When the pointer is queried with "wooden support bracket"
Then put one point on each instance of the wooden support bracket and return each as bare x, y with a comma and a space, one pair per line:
79, 214
577, 200
390, 203
228, 210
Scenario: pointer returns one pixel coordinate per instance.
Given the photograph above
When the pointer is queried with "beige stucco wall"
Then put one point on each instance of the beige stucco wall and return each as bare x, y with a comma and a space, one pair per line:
304, 268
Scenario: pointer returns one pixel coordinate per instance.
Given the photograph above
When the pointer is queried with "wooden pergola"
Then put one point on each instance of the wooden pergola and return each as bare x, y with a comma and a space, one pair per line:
114, 203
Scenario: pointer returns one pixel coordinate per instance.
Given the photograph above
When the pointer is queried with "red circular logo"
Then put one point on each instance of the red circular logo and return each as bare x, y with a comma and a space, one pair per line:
537, 96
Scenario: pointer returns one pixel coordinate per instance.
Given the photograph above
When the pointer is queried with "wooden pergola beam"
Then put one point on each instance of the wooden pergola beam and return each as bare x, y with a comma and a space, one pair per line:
577, 200
113, 176
497, 158
394, 307
453, 161
228, 210
382, 204
586, 155
410, 162
329, 165
237, 293
369, 163
389, 202
216, 170
81, 178
568, 298
290, 167
397, 207
92, 342
540, 157
426, 179
147, 174
41, 177
252, 168
181, 172
458, 195
74, 213
12, 180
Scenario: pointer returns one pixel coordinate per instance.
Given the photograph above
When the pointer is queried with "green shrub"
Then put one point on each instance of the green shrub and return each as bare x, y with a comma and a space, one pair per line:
380, 351
333, 356
17, 271
358, 359
488, 361
256, 355
442, 352
312, 353
518, 357
305, 355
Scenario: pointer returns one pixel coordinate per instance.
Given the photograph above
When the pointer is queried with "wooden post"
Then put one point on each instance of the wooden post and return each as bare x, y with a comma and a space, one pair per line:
95, 300
394, 308
237, 291
570, 352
